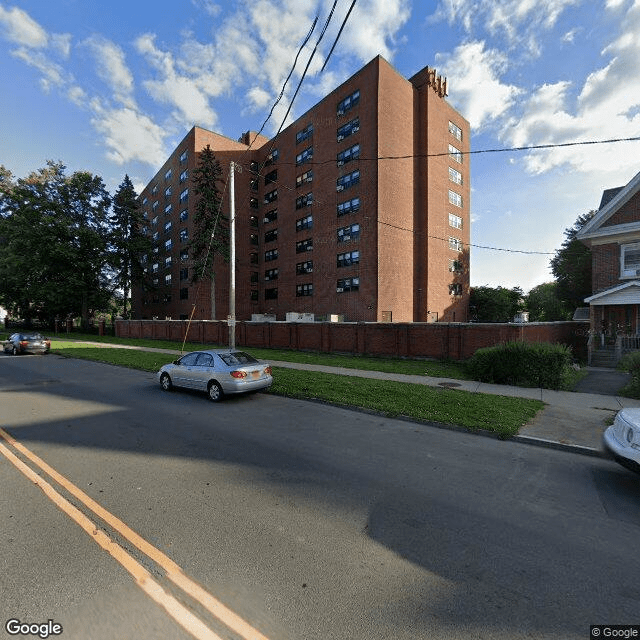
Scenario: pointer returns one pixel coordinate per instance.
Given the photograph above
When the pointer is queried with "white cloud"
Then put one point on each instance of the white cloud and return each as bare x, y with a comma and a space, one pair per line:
52, 74
112, 68
21, 29
473, 75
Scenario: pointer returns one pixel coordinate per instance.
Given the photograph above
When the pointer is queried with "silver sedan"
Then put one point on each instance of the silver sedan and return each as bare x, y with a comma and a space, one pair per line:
622, 439
216, 371
18, 343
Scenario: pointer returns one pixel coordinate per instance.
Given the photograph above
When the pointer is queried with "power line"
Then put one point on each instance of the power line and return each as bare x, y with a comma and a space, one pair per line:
335, 42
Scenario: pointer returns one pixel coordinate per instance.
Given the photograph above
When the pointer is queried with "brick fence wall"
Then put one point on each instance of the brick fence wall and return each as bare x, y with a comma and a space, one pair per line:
455, 341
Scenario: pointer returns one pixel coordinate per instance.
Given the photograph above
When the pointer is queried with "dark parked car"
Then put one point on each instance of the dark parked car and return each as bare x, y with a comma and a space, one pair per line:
26, 343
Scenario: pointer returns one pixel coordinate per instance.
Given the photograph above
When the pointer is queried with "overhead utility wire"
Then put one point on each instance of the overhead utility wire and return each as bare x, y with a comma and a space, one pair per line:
335, 42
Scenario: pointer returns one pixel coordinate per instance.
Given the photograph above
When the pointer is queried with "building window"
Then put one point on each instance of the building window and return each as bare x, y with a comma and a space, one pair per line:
347, 284
307, 176
253, 203
630, 260
167, 209
183, 157
184, 235
254, 296
305, 134
167, 192
349, 258
454, 153
347, 129
271, 216
304, 290
254, 184
455, 244
168, 244
271, 177
253, 239
184, 293
184, 255
348, 103
167, 262
271, 236
154, 267
455, 130
184, 215
253, 258
455, 266
271, 294
156, 235
155, 205
305, 156
346, 234
144, 201
348, 181
184, 196
455, 198
455, 289
304, 223
304, 245
254, 277
154, 190
253, 222
167, 279
350, 206
352, 153
184, 274
253, 167
455, 176
455, 221
272, 196
304, 201
167, 227
272, 157
183, 176
272, 254
304, 267
271, 274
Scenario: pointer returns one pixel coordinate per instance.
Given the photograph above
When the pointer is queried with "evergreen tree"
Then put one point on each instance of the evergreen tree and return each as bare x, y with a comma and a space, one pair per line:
211, 227
129, 245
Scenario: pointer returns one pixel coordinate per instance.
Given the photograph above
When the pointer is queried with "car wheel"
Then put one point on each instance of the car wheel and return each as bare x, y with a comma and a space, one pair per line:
14, 351
165, 382
215, 391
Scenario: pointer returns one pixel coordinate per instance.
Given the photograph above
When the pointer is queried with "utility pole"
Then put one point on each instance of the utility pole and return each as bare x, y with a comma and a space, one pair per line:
232, 260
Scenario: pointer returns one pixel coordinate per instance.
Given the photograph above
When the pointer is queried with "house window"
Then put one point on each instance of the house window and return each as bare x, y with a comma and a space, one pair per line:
272, 196
184, 235
348, 181
352, 153
304, 290
167, 279
156, 235
167, 192
455, 289
271, 236
347, 284
346, 234
455, 244
183, 176
272, 176
167, 209
630, 260
167, 262
304, 201
455, 198
454, 153
271, 294
304, 223
184, 215
306, 133
349, 258
271, 274
455, 130
183, 157
184, 255
253, 239
304, 267
184, 196
348, 103
270, 216
455, 176
307, 176
168, 244
305, 156
347, 129
304, 245
455, 221
455, 266
272, 157
272, 254
167, 227
154, 267
155, 205
350, 206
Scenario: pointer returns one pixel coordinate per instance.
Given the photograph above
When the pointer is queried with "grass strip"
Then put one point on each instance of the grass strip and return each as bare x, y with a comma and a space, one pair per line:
499, 414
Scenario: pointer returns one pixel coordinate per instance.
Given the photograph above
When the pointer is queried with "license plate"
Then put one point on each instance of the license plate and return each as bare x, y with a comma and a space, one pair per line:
255, 374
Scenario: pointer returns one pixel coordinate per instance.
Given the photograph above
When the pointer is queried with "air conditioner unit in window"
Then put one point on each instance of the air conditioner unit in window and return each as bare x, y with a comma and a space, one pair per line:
340, 112
339, 289
340, 138
339, 187
340, 163
356, 128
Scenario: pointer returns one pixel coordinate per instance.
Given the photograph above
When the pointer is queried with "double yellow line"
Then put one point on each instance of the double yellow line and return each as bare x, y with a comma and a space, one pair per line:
143, 578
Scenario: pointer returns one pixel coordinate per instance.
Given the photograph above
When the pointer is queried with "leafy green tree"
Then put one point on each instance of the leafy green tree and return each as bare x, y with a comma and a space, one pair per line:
211, 227
544, 305
571, 266
488, 304
130, 246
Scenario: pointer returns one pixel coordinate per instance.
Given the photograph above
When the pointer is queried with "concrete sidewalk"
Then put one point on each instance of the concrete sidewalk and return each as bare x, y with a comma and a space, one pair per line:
570, 421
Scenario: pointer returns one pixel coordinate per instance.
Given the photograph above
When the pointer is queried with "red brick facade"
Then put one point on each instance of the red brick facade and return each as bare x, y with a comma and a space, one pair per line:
383, 161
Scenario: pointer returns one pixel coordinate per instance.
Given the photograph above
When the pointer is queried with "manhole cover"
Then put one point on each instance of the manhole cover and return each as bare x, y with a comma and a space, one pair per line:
449, 385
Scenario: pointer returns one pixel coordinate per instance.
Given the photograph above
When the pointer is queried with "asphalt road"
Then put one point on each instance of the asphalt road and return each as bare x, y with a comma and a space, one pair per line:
306, 521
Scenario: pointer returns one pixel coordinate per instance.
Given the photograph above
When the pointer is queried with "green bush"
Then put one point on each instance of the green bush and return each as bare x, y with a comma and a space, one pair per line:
631, 363
522, 364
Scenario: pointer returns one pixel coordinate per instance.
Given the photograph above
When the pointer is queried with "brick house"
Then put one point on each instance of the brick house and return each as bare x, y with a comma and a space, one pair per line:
613, 234
359, 209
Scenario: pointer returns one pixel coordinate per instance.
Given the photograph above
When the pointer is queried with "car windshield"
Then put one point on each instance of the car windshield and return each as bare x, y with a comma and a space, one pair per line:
237, 357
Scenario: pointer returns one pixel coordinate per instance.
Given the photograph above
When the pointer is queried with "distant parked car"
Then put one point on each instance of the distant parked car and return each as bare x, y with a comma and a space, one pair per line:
622, 439
218, 372
26, 343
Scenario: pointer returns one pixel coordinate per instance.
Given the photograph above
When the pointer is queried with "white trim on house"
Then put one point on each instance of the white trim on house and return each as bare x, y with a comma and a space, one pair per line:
626, 293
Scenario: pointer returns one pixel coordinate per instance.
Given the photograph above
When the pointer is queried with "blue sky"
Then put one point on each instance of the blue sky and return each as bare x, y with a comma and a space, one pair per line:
112, 88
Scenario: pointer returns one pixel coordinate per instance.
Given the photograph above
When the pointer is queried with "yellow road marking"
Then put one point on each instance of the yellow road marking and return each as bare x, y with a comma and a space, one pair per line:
173, 570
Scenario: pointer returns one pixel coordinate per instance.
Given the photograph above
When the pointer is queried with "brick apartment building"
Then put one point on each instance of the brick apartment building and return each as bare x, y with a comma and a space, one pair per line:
359, 209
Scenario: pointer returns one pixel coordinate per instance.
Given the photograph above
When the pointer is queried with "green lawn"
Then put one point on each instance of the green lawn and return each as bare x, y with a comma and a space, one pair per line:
499, 414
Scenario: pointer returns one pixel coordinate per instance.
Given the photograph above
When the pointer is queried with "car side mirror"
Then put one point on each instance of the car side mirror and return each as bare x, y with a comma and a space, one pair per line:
176, 362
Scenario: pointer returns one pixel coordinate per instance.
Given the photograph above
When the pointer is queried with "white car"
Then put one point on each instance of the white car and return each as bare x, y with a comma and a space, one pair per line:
218, 372
622, 439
